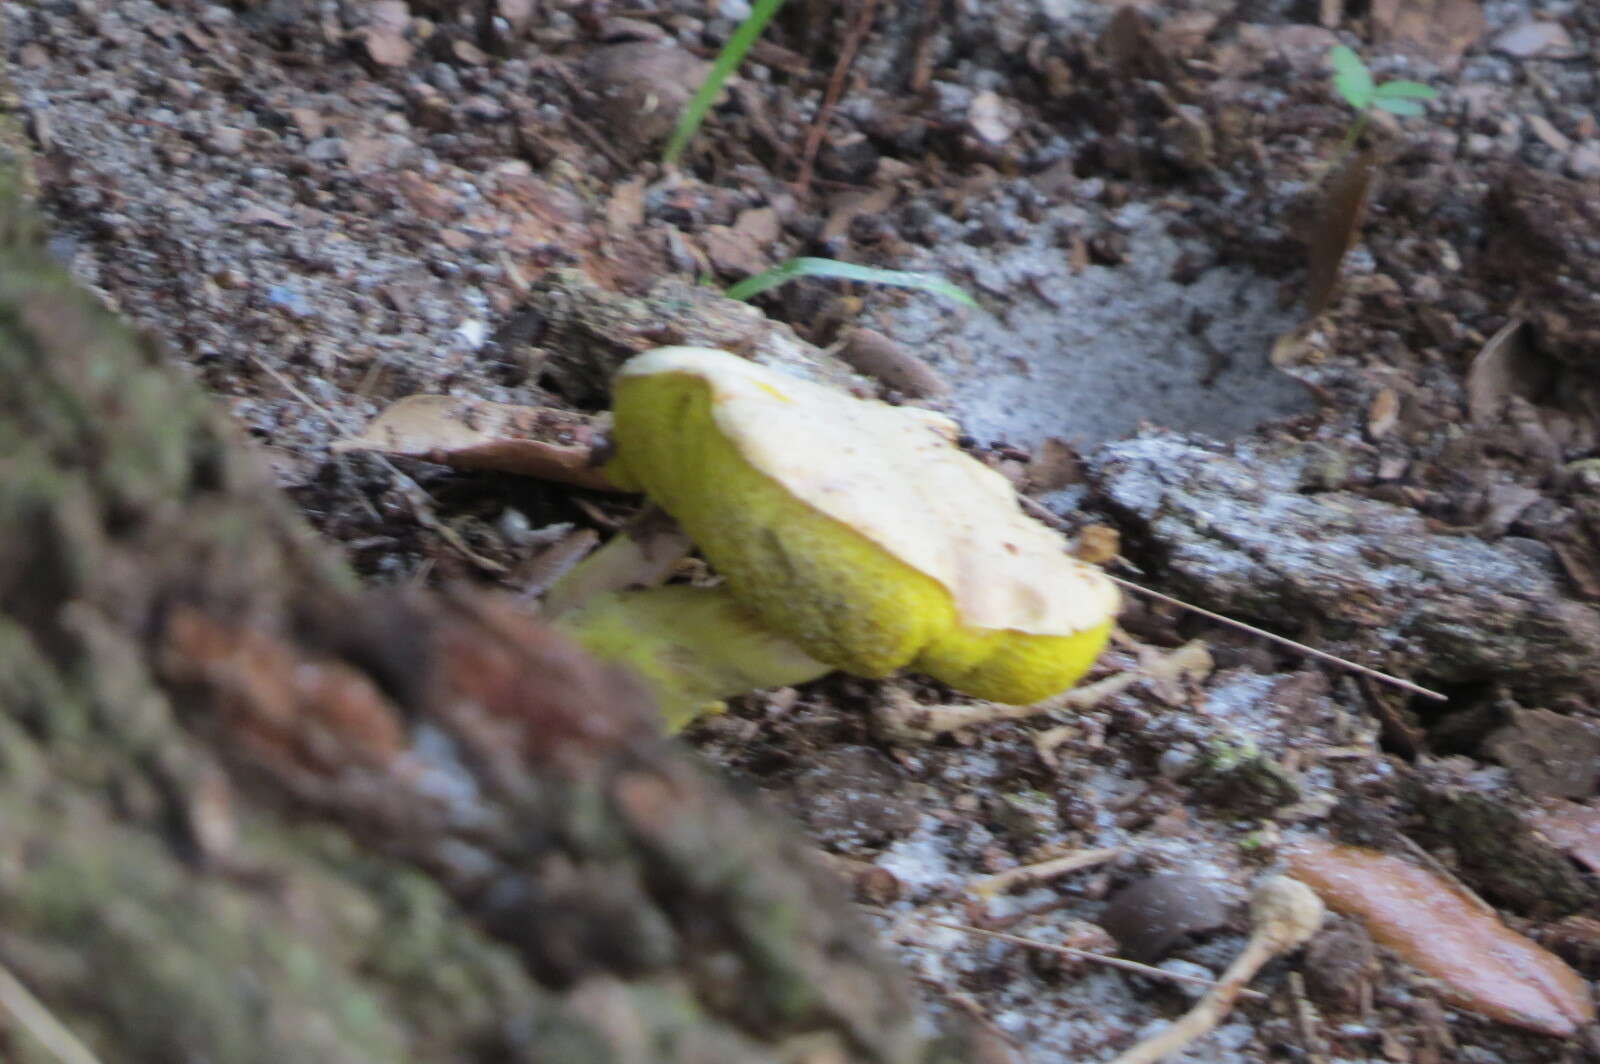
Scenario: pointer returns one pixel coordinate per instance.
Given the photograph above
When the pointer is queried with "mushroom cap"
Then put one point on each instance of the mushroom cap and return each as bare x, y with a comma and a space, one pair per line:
857, 528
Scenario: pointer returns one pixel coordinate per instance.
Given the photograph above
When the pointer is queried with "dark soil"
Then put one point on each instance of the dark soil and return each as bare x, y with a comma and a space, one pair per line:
322, 206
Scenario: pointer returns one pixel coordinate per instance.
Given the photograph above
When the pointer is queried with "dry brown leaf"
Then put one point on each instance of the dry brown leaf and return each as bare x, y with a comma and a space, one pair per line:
732, 253
1500, 370
1573, 828
1577, 561
1446, 933
1053, 466
1098, 545
625, 208
847, 206
534, 441
869, 351
1537, 38
1337, 226
1549, 754
1383, 413
1438, 29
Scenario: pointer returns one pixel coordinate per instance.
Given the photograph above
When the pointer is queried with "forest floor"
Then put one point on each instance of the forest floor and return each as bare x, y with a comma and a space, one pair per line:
324, 206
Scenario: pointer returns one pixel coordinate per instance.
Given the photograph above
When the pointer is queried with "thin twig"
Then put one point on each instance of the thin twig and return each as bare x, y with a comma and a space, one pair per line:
1321, 655
841, 70
1038, 510
1067, 951
32, 1015
1042, 871
1284, 914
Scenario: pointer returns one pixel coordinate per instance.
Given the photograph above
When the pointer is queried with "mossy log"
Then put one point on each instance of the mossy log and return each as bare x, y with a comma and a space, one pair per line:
251, 812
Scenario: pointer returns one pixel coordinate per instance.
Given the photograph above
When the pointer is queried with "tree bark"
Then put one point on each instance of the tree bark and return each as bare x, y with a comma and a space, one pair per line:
250, 812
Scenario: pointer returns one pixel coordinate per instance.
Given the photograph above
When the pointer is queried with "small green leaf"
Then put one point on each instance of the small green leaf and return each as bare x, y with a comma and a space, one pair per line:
1396, 90
1351, 77
848, 271
1404, 108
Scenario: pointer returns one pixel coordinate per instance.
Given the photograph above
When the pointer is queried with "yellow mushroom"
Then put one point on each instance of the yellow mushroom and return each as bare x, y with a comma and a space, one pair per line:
856, 529
692, 646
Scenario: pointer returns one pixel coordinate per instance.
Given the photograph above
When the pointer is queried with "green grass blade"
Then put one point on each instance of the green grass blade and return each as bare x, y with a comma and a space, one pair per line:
1410, 90
727, 61
1351, 77
847, 271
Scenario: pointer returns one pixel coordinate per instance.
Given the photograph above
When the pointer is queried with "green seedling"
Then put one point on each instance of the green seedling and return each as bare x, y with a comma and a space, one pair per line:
848, 271
726, 63
1353, 81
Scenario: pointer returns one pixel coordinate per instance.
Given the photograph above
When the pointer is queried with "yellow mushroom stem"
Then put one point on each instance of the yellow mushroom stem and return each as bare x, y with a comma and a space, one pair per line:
691, 646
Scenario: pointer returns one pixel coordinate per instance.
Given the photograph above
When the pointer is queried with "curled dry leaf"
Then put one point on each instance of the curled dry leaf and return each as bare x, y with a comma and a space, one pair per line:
535, 441
1337, 226
1501, 369
1443, 931
874, 354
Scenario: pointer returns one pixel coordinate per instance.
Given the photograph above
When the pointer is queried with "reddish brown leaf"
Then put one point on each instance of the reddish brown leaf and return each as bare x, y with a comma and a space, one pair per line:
1446, 933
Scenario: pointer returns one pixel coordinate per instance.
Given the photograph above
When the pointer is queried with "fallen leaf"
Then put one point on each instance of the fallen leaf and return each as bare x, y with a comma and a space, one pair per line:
387, 49
732, 254
534, 441
1536, 38
760, 224
1337, 226
625, 209
993, 118
1546, 131
255, 214
1577, 561
1572, 828
869, 351
1438, 29
1438, 928
1098, 545
847, 206
1500, 370
1504, 503
1549, 754
1383, 413
1054, 466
